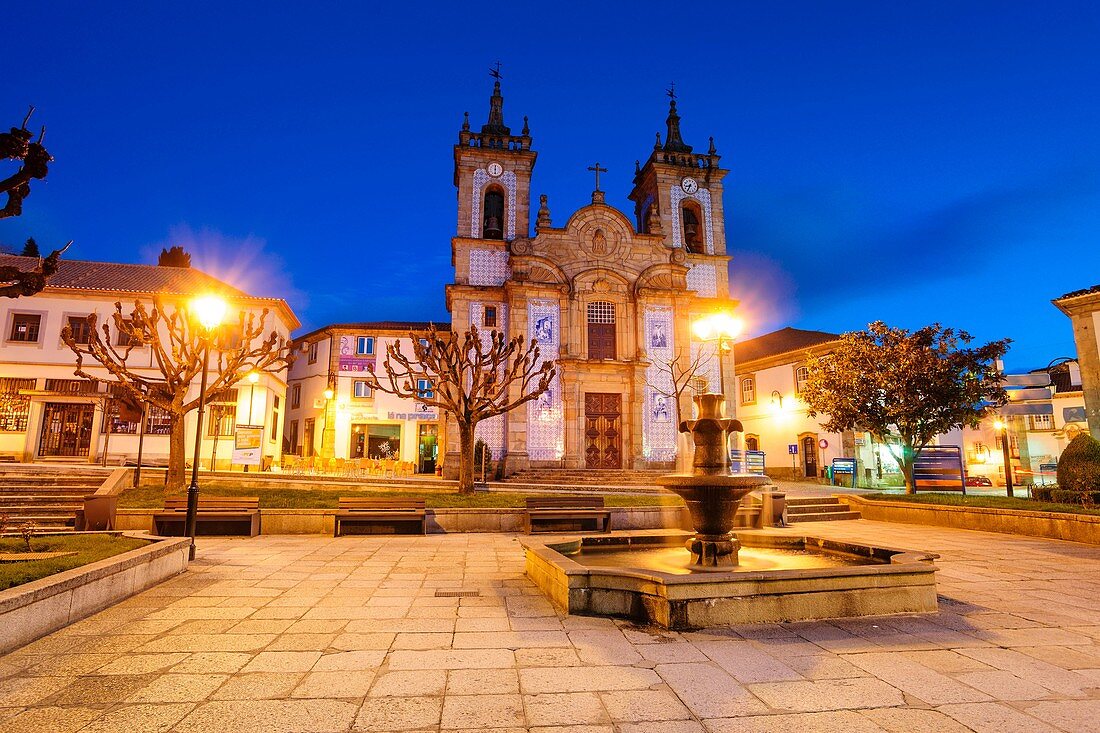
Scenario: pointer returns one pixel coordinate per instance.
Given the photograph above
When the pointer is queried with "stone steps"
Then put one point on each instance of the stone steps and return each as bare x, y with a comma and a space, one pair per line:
47, 496
819, 509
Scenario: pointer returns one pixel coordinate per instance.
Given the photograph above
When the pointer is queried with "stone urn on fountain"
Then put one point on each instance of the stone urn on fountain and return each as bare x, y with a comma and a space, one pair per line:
711, 492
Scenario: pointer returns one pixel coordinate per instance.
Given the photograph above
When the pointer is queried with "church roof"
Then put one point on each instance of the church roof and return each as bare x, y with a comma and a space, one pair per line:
783, 341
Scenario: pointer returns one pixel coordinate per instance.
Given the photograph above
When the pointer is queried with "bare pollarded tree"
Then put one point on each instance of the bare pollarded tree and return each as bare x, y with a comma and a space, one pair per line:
34, 163
472, 376
675, 376
177, 344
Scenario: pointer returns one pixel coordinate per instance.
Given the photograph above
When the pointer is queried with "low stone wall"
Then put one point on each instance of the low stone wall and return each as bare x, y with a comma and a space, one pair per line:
320, 521
1051, 525
32, 610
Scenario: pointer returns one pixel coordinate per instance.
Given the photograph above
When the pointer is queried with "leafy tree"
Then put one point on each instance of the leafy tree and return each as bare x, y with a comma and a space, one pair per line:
176, 344
174, 257
30, 249
1079, 465
34, 163
472, 376
915, 385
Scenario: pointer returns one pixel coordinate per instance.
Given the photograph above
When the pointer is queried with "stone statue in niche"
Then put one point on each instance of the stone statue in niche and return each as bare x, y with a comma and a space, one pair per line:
599, 243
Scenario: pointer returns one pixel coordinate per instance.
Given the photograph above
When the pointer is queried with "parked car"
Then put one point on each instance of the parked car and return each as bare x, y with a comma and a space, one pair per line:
978, 481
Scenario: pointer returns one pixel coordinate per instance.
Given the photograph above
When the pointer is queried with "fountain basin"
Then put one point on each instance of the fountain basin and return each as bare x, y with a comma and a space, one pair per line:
787, 585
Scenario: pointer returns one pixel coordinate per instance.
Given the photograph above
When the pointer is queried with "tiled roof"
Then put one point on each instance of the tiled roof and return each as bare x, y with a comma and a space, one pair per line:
125, 278
1075, 293
368, 326
778, 342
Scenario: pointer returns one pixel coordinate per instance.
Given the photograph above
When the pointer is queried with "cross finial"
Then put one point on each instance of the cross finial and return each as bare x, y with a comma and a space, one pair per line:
494, 71
598, 170
671, 91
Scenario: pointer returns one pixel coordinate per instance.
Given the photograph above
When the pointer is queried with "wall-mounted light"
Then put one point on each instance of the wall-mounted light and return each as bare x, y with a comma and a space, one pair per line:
329, 393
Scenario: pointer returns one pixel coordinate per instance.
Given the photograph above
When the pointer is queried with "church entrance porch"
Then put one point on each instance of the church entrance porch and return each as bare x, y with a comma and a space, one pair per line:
603, 434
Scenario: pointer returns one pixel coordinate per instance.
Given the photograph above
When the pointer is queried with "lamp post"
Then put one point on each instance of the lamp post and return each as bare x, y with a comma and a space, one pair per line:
253, 377
722, 328
209, 310
1002, 431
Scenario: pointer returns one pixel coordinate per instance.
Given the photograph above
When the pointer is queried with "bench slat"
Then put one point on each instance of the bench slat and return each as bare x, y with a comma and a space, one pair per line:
538, 502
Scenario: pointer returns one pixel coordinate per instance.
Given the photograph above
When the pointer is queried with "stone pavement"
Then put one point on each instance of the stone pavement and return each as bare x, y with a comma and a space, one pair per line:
294, 634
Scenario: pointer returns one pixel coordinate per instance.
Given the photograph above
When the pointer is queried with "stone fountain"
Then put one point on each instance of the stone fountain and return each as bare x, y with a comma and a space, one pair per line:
711, 492
775, 576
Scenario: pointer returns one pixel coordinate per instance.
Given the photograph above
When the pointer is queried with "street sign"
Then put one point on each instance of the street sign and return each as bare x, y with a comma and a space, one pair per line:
1027, 380
1032, 393
844, 466
792, 448
939, 468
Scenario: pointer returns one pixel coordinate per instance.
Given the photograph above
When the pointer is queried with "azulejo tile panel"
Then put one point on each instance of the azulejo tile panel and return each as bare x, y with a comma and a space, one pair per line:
545, 416
703, 279
508, 181
492, 431
659, 419
489, 267
703, 197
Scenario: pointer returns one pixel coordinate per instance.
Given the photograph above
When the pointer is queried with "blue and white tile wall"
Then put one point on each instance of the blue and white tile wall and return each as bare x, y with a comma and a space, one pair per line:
491, 430
508, 181
659, 419
703, 197
489, 267
703, 279
545, 415
703, 353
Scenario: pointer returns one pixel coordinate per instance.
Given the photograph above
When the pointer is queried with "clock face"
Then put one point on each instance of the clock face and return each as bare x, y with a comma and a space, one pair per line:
495, 169
689, 184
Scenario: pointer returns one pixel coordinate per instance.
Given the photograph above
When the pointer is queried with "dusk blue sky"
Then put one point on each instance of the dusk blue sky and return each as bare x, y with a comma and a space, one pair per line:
910, 162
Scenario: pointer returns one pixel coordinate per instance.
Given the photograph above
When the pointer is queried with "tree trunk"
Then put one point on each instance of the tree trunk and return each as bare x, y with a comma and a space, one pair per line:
465, 458
177, 456
907, 464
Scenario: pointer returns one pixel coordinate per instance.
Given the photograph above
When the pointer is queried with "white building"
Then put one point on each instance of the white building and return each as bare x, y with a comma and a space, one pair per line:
332, 413
49, 414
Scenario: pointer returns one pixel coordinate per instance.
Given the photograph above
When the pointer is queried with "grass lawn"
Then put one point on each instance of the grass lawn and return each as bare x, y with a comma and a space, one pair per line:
996, 502
89, 548
321, 498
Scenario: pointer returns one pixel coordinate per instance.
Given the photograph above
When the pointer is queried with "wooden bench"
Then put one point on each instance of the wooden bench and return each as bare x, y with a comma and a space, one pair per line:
216, 515
566, 514
380, 516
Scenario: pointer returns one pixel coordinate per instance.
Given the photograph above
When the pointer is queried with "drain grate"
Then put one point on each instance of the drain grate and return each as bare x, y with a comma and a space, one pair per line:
457, 593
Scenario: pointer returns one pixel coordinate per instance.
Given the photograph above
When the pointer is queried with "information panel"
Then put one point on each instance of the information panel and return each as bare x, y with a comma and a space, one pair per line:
247, 442
939, 468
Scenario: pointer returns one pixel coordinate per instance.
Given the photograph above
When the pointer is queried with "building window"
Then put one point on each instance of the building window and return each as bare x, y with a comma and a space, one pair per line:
157, 421
14, 407
313, 353
801, 374
223, 413
122, 337
601, 330
230, 336
274, 419
489, 320
364, 346
296, 397
424, 389
80, 329
752, 442
1042, 422
361, 389
493, 214
25, 326
748, 391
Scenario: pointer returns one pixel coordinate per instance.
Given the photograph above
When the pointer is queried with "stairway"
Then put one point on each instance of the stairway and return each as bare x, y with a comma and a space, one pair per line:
819, 509
47, 496
579, 478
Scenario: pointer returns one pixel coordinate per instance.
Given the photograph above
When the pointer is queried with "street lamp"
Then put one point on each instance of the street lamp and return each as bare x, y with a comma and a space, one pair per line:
208, 310
253, 377
722, 328
1002, 431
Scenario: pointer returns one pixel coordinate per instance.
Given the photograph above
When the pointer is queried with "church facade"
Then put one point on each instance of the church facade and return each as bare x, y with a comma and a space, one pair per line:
610, 298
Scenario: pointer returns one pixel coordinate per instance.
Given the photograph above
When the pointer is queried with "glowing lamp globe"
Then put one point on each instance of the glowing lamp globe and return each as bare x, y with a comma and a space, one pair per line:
209, 310
253, 377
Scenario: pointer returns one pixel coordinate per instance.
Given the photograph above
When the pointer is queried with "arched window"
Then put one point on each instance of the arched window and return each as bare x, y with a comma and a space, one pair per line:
801, 374
752, 442
601, 330
691, 220
492, 214
748, 390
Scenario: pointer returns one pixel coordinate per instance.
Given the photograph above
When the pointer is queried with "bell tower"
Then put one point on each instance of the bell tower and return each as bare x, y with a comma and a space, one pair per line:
678, 192
493, 176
